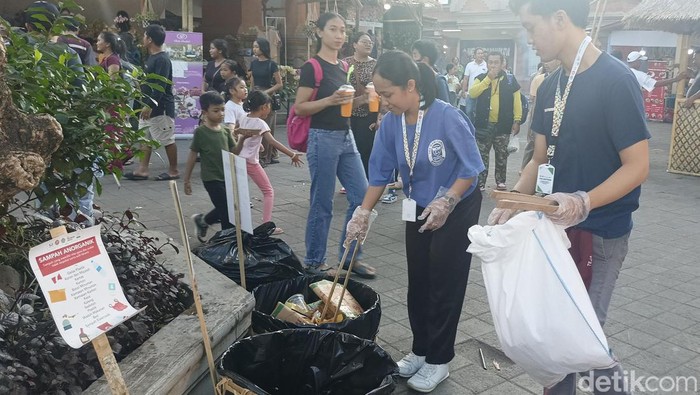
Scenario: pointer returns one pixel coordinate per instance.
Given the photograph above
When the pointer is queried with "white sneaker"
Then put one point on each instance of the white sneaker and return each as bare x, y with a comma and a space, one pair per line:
410, 364
428, 377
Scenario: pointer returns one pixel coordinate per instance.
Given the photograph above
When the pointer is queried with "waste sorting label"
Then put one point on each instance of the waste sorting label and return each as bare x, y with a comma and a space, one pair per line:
80, 285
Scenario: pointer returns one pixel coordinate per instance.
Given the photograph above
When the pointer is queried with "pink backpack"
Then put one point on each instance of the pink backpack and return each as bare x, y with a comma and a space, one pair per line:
297, 125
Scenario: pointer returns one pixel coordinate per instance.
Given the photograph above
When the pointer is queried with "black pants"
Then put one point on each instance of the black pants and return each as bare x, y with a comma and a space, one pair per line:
438, 270
217, 195
364, 137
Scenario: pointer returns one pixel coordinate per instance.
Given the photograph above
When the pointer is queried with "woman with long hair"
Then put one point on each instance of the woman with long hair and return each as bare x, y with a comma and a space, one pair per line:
331, 148
112, 49
131, 50
433, 146
265, 76
362, 66
218, 50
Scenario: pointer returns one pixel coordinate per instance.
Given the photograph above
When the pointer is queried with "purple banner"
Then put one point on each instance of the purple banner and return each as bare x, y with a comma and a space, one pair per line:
185, 51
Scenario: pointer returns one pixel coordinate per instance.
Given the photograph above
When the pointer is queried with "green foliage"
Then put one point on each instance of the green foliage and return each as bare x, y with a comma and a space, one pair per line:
93, 108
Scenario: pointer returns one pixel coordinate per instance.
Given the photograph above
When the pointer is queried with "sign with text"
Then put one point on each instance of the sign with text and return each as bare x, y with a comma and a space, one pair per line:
185, 52
80, 285
232, 161
655, 101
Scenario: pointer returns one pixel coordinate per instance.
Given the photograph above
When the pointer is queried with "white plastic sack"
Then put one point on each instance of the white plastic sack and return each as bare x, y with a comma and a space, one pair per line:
513, 144
543, 316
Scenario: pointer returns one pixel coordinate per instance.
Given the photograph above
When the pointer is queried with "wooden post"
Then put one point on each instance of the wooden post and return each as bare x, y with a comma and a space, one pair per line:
104, 351
237, 215
683, 45
193, 285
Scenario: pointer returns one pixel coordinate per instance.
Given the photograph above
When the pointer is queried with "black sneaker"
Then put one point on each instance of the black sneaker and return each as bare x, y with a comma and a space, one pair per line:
200, 227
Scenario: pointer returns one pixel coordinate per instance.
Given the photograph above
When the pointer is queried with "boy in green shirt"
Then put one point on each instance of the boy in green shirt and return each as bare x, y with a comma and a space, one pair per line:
209, 139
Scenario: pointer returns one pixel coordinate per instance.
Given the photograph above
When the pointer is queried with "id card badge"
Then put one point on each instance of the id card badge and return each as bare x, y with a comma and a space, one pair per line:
408, 211
545, 179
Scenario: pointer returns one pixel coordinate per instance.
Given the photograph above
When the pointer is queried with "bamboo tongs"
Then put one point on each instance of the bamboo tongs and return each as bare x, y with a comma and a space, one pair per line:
519, 201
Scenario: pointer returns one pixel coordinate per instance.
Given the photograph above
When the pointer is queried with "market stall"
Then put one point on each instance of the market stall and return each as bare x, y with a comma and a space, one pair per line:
681, 17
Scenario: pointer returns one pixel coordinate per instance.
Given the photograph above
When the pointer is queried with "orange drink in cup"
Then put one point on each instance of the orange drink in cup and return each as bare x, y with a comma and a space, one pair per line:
346, 109
373, 98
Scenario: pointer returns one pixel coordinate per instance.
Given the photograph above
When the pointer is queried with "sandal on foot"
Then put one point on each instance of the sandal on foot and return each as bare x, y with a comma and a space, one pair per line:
277, 231
166, 177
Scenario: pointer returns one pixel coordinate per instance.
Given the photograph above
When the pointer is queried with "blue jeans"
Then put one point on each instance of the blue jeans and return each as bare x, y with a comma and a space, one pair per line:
470, 108
331, 154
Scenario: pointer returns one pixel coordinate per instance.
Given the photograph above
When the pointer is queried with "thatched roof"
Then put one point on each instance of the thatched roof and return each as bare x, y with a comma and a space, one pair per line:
676, 16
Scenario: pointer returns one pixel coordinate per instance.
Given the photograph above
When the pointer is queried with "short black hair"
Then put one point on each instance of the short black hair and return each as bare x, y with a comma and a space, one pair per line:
449, 67
209, 99
577, 10
156, 33
398, 68
48, 10
496, 53
428, 49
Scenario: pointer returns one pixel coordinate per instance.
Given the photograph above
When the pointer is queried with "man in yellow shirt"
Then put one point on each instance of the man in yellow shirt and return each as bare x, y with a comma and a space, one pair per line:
497, 116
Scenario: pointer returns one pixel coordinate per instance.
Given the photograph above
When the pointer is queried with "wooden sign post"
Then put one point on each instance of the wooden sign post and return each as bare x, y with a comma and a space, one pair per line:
101, 344
225, 384
193, 285
237, 215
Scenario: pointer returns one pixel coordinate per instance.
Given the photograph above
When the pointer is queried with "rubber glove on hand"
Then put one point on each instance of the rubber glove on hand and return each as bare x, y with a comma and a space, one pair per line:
500, 216
437, 212
573, 208
357, 226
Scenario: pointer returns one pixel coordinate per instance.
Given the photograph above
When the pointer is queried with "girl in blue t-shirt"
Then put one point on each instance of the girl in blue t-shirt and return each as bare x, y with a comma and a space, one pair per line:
433, 146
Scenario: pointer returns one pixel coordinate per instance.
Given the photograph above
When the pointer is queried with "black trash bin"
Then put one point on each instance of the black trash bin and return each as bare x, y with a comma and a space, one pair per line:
309, 361
267, 258
267, 295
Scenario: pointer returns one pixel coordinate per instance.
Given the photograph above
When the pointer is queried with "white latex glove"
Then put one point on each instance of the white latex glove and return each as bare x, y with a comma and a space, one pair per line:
357, 227
500, 216
437, 212
573, 208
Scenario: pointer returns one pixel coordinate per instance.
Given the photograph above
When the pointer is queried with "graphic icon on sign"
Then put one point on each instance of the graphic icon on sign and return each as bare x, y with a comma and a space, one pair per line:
112, 286
83, 337
67, 325
119, 306
105, 327
56, 278
57, 295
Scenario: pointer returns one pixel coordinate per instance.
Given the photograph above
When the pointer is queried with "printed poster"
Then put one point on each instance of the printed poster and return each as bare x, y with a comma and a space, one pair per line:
185, 51
243, 197
655, 101
80, 285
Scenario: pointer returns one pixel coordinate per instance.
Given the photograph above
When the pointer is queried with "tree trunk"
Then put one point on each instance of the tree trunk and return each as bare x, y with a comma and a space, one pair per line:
26, 142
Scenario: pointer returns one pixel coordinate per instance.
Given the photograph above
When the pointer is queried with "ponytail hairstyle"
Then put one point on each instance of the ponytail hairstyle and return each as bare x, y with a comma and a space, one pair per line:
230, 84
255, 100
231, 64
399, 68
321, 24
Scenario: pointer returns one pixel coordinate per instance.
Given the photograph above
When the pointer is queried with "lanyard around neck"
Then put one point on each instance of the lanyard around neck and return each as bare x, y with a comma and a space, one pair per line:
560, 101
411, 156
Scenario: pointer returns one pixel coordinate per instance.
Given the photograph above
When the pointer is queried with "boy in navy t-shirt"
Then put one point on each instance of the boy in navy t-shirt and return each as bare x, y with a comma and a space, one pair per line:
599, 150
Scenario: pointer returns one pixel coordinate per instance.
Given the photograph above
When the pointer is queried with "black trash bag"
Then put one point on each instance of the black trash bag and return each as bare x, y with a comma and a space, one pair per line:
309, 361
266, 258
267, 295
